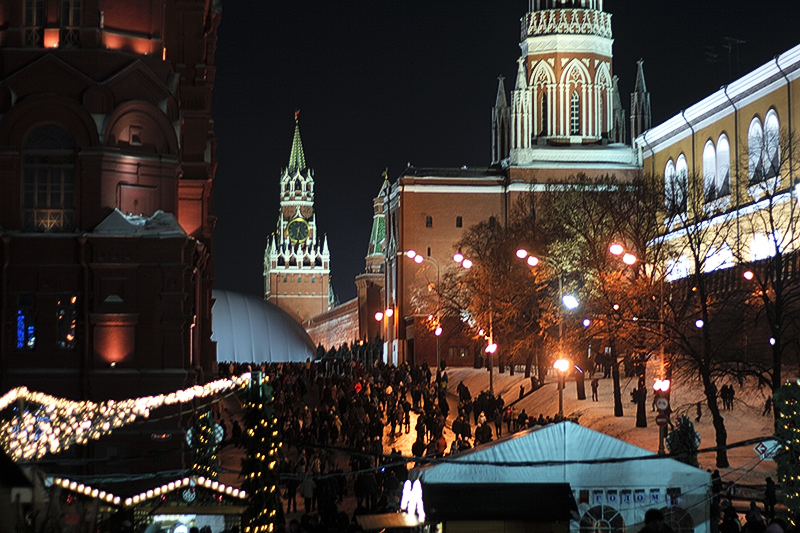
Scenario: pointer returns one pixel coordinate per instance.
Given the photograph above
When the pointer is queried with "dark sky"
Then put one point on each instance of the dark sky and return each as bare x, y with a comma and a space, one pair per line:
382, 83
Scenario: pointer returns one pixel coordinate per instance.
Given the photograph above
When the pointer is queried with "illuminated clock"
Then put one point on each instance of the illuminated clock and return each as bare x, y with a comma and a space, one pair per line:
297, 230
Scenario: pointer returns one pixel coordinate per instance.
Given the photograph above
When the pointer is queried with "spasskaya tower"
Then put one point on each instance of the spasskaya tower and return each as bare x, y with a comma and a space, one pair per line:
296, 265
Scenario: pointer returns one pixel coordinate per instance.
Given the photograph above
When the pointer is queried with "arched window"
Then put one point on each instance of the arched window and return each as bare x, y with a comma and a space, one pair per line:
298, 185
48, 180
428, 221
602, 519
669, 189
681, 183
755, 151
723, 167
709, 172
772, 148
575, 114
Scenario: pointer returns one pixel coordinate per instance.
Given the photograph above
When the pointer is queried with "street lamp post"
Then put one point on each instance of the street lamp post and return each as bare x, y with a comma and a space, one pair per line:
561, 365
419, 258
567, 300
491, 347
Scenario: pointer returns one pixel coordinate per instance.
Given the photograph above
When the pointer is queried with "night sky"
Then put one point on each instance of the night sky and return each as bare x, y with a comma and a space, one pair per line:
383, 83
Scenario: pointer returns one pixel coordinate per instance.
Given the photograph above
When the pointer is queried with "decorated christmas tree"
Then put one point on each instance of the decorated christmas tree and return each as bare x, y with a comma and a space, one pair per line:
787, 431
684, 441
204, 437
261, 442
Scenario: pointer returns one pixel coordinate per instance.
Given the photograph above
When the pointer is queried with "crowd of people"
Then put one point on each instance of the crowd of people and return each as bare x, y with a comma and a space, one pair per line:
333, 415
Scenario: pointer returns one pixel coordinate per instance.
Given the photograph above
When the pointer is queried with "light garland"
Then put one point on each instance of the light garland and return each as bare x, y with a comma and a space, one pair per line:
786, 401
57, 423
155, 492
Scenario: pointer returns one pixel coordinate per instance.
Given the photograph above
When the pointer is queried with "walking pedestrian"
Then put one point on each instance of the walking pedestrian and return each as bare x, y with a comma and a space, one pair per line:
595, 385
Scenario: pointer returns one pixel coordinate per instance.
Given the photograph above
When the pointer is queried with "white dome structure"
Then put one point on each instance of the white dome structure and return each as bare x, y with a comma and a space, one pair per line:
248, 329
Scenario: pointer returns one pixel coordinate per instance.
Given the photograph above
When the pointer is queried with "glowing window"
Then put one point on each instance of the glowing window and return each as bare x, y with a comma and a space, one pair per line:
755, 151
723, 183
26, 327
575, 114
718, 259
48, 168
669, 189
66, 317
772, 145
709, 172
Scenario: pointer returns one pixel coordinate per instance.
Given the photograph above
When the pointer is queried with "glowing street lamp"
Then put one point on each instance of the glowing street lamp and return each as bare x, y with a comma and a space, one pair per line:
561, 365
418, 259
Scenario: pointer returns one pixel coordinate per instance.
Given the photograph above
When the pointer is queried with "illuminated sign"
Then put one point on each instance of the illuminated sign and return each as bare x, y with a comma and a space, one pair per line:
411, 502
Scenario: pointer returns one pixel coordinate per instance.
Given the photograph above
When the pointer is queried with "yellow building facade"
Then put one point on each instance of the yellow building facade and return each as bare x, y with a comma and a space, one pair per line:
727, 165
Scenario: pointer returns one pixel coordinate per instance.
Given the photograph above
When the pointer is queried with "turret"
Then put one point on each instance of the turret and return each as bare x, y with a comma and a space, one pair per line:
500, 124
640, 104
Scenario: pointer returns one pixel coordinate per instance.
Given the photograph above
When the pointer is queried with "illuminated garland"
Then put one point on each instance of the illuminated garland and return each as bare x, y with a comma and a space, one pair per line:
55, 424
261, 442
108, 497
787, 431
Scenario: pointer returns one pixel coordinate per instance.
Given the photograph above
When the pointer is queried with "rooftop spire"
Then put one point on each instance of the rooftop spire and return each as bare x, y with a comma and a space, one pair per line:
297, 159
501, 93
640, 86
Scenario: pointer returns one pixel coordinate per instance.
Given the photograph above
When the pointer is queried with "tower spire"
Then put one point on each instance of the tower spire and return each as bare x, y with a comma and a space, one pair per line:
500, 124
640, 104
297, 159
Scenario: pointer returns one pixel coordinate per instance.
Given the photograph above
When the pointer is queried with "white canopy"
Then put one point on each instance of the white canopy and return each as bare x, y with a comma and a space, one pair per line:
601, 470
251, 330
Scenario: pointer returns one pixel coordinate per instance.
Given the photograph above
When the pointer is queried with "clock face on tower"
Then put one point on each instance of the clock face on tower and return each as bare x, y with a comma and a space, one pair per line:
297, 229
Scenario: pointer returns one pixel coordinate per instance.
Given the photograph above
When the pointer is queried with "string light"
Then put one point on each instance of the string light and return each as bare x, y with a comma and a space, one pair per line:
92, 492
55, 424
787, 431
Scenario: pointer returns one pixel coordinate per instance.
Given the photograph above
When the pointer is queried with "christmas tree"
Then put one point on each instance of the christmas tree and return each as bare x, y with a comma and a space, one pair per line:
684, 442
261, 442
787, 431
204, 441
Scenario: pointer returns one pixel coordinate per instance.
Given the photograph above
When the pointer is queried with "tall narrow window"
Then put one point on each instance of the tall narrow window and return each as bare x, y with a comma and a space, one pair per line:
70, 22
575, 114
33, 23
723, 166
428, 221
755, 151
544, 112
48, 176
459, 222
681, 184
26, 322
670, 191
66, 316
709, 172
772, 145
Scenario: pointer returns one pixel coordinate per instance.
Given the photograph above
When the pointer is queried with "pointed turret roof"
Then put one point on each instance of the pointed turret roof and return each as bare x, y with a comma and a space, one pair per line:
501, 93
640, 85
522, 79
297, 159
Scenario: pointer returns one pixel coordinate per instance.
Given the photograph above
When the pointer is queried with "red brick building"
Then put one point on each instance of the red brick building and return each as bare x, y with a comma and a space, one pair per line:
106, 167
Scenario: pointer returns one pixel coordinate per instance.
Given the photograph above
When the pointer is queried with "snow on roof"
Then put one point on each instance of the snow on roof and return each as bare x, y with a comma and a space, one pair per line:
552, 448
161, 224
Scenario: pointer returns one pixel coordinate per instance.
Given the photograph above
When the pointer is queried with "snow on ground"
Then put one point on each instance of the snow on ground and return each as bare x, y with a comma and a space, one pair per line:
743, 422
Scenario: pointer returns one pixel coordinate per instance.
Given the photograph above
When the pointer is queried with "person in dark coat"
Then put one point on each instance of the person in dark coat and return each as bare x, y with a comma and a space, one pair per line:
770, 498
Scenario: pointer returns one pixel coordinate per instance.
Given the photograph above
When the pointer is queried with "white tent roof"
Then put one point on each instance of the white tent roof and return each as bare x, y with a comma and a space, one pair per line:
549, 450
248, 329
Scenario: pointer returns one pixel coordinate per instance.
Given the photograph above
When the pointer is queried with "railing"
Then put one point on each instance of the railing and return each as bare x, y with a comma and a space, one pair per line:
566, 21
32, 36
69, 37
